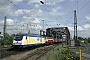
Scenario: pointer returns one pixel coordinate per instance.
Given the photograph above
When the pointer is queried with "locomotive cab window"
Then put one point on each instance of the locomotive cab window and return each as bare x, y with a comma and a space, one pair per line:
18, 37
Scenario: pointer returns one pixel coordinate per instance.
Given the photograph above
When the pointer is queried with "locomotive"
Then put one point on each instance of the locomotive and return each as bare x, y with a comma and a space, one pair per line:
33, 40
28, 40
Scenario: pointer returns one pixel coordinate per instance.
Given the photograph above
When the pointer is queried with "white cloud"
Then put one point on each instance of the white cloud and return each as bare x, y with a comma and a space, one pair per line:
56, 11
53, 2
71, 0
36, 6
32, 12
14, 26
88, 19
18, 12
26, 18
86, 26
4, 12
36, 21
31, 20
80, 28
15, 1
36, 15
6, 7
1, 22
47, 2
71, 28
10, 22
84, 33
33, 1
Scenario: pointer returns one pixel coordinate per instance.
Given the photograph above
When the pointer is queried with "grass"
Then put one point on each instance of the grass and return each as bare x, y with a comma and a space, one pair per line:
63, 53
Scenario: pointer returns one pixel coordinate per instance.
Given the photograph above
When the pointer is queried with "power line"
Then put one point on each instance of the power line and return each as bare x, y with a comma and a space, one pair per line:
18, 8
83, 6
26, 3
80, 9
54, 10
72, 7
76, 3
47, 6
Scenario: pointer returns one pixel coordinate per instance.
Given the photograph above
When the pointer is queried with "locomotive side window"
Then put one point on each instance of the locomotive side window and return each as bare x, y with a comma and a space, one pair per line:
26, 37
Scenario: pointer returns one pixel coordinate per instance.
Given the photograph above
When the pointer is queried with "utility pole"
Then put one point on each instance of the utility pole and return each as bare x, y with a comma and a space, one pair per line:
0, 46
4, 31
75, 27
43, 25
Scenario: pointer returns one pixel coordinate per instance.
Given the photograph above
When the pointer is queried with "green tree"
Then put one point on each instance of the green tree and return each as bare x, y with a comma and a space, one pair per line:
89, 40
9, 39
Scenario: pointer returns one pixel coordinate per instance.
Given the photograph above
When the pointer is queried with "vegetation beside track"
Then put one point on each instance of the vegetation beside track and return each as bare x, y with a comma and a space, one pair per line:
63, 53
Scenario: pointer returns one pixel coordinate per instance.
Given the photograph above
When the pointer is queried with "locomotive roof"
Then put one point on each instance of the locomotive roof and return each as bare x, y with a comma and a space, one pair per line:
31, 34
34, 35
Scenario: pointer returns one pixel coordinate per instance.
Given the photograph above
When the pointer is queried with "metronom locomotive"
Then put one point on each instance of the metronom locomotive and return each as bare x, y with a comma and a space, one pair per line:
28, 40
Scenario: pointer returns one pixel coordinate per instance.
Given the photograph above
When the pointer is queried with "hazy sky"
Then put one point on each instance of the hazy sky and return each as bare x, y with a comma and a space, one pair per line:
24, 15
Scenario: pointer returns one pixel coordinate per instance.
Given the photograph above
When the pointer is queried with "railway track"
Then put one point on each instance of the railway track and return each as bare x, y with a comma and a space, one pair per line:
39, 53
8, 51
32, 54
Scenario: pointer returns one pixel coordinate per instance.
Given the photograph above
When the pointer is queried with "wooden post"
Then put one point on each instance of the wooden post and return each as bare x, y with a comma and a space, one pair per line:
80, 54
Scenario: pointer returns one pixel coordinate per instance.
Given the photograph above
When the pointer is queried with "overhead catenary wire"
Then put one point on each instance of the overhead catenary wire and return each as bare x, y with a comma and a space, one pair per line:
54, 10
80, 9
27, 4
83, 6
31, 8
18, 8
76, 3
76, 8
72, 7
21, 10
52, 6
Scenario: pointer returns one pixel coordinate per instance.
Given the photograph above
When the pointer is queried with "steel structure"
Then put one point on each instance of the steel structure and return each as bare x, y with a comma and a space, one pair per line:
59, 32
4, 30
75, 27
0, 46
43, 25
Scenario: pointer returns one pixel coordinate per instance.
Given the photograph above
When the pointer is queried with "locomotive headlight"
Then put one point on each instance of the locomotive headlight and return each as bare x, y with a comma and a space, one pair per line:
20, 43
17, 43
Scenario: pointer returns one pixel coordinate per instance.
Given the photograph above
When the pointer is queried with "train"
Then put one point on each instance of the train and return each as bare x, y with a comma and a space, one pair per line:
32, 40
28, 40
52, 36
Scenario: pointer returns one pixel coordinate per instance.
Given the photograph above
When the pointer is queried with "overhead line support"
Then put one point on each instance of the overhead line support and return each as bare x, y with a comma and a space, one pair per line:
75, 27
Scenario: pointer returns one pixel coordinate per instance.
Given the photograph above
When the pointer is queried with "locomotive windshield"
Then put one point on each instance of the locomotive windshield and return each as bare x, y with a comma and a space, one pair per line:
18, 37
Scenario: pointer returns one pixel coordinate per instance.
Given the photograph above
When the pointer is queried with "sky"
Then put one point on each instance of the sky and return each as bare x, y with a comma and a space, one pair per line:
25, 15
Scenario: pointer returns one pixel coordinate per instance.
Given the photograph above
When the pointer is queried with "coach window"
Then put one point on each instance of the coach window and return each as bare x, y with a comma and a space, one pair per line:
26, 37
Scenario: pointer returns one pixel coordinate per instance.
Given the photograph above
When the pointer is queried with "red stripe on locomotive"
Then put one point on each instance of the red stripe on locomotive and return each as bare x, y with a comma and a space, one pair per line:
48, 39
